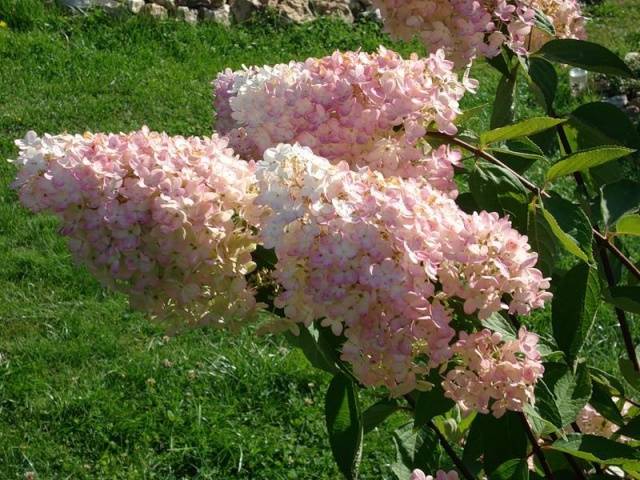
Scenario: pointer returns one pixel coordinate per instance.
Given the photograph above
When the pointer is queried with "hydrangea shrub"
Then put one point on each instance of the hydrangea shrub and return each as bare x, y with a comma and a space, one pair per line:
330, 200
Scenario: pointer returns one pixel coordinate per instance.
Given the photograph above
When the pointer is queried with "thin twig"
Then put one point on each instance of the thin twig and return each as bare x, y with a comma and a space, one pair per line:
604, 258
600, 238
445, 444
536, 448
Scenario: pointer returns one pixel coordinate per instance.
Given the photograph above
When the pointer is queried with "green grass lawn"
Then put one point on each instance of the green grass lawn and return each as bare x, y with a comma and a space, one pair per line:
89, 389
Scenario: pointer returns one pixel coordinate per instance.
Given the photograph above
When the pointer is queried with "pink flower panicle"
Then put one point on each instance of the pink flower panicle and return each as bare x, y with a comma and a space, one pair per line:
164, 219
365, 109
492, 259
418, 474
468, 28
364, 252
591, 422
495, 374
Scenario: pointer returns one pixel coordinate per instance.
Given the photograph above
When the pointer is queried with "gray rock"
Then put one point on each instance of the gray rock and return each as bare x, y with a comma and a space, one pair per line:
135, 6
339, 8
187, 14
155, 11
220, 15
297, 11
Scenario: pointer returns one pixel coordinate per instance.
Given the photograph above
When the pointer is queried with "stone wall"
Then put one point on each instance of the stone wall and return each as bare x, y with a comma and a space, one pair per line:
230, 11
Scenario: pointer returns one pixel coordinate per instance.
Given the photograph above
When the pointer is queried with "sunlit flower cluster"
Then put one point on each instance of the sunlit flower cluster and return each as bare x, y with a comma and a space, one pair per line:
489, 259
496, 374
466, 29
365, 109
363, 252
418, 474
164, 219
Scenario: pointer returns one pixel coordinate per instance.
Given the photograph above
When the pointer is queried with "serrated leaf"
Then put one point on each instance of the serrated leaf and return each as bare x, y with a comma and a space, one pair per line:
542, 240
577, 235
628, 225
496, 189
344, 425
497, 323
377, 413
585, 159
587, 55
415, 448
625, 297
574, 307
599, 450
525, 128
561, 394
567, 242
515, 469
501, 439
611, 381
539, 425
617, 199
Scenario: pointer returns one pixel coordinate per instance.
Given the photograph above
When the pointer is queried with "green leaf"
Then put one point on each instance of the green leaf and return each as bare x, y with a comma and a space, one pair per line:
501, 63
603, 403
574, 307
515, 469
631, 429
611, 381
625, 297
432, 403
344, 425
378, 413
496, 189
521, 129
570, 225
585, 159
467, 203
307, 341
501, 439
542, 239
470, 113
587, 55
617, 199
543, 23
497, 323
518, 161
599, 449
601, 123
544, 80
415, 448
629, 373
566, 240
504, 103
628, 225
561, 394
